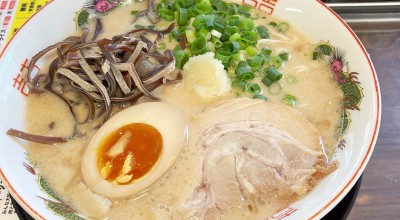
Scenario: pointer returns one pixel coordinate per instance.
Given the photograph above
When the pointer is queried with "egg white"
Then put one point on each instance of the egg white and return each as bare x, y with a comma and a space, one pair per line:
166, 118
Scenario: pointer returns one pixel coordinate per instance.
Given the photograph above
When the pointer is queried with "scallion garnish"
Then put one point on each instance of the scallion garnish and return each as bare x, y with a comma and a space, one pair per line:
181, 57
275, 61
254, 88
289, 99
257, 61
246, 24
273, 74
244, 73
273, 24
167, 14
282, 27
251, 37
224, 56
245, 10
284, 56
204, 8
233, 46
263, 32
239, 83
291, 80
259, 96
228, 30
198, 46
182, 16
190, 36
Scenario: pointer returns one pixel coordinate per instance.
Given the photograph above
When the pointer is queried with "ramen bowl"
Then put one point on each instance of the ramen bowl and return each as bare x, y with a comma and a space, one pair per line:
55, 21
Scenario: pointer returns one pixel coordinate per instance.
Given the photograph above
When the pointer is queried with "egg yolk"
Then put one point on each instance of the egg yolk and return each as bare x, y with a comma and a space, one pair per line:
129, 153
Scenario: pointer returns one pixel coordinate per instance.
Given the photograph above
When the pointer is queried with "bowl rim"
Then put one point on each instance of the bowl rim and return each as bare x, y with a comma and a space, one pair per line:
328, 205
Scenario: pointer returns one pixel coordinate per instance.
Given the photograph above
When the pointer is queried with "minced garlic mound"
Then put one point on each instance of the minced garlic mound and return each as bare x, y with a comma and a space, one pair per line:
206, 76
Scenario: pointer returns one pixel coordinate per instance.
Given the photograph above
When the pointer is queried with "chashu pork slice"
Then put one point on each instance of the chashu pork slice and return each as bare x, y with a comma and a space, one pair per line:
254, 152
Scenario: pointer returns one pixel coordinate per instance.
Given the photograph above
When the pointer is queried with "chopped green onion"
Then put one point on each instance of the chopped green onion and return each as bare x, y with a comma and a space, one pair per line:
216, 33
251, 37
251, 51
284, 56
210, 46
244, 72
203, 8
198, 22
273, 24
182, 16
238, 57
282, 27
185, 3
263, 32
243, 43
181, 57
134, 12
161, 46
225, 36
259, 96
239, 83
190, 35
266, 52
217, 43
233, 46
234, 37
139, 26
208, 22
267, 81
234, 21
182, 29
221, 6
232, 9
257, 61
231, 29
246, 24
245, 10
254, 88
289, 99
219, 27
199, 45
273, 74
275, 61
205, 32
167, 14
224, 56
242, 64
175, 34
206, 2
315, 55
275, 88
291, 80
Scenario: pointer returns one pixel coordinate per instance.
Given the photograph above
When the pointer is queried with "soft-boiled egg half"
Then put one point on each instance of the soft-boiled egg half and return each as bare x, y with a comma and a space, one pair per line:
133, 149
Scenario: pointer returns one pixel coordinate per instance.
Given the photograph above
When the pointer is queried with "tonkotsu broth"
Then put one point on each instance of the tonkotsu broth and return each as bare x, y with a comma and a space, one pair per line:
318, 95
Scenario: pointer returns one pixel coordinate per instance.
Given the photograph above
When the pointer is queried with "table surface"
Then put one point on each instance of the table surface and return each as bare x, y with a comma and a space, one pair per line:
379, 195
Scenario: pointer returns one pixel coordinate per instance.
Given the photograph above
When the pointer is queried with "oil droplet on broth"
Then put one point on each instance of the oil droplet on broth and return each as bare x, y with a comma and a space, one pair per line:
129, 153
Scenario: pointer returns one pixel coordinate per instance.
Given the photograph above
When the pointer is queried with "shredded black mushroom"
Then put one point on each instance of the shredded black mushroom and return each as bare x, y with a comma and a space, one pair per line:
36, 138
104, 72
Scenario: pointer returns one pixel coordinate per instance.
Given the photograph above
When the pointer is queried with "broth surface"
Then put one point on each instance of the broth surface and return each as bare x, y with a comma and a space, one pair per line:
318, 97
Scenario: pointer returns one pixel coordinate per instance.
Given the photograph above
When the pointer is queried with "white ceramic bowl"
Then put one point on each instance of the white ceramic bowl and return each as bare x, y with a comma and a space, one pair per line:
55, 21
